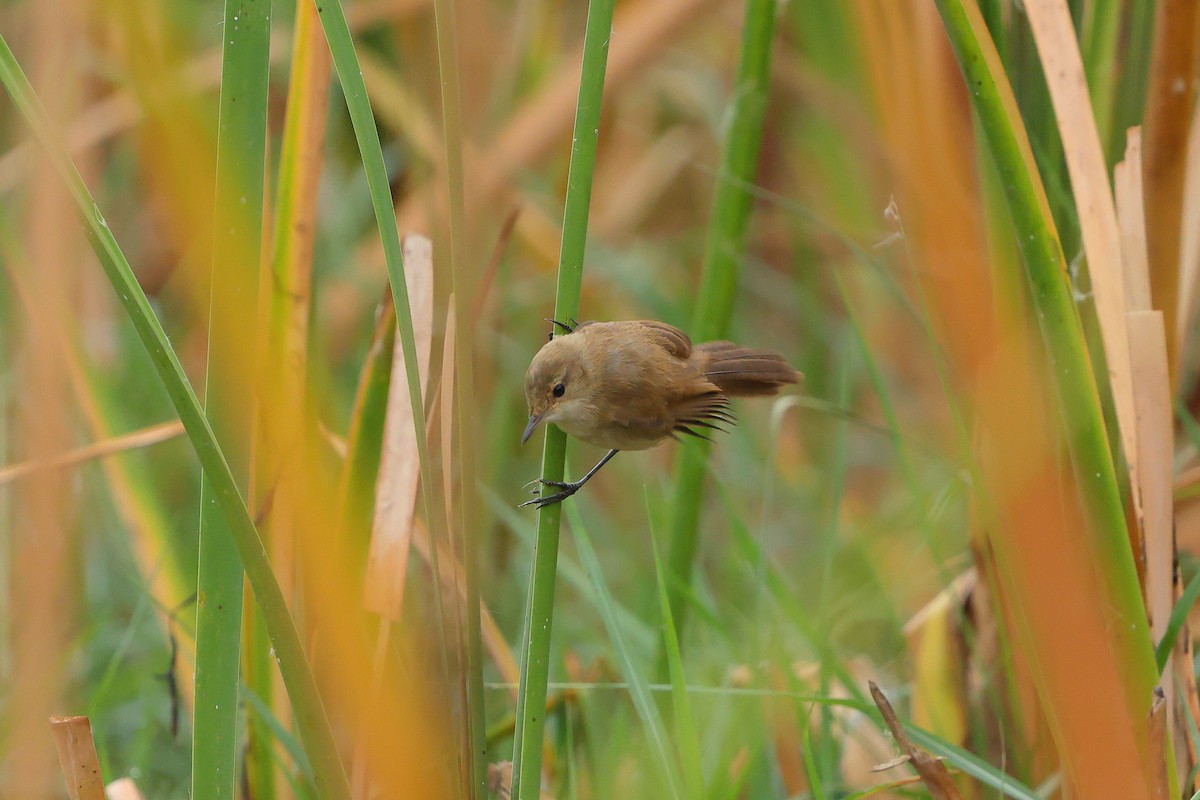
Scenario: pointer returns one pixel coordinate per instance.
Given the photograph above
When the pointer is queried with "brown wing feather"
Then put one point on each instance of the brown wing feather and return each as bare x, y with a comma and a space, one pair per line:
706, 408
670, 338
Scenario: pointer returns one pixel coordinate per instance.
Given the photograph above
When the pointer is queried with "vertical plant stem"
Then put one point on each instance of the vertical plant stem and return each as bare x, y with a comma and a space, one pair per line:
539, 614
39, 520
279, 461
718, 286
462, 287
241, 156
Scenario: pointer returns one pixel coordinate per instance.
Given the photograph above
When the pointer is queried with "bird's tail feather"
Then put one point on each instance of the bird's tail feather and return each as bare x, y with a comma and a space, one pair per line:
743, 371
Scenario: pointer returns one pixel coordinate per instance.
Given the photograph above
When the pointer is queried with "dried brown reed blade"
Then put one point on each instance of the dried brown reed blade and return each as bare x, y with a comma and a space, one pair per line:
1062, 64
1170, 104
1127, 180
933, 772
1159, 711
1155, 458
1152, 465
1184, 677
134, 440
77, 757
43, 592
1131, 216
399, 473
398, 479
1189, 268
1147, 346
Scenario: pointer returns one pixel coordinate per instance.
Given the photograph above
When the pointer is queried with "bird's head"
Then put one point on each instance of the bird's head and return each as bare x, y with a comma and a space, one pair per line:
557, 382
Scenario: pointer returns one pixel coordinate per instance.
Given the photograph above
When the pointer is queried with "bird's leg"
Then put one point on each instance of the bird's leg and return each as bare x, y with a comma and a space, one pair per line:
568, 489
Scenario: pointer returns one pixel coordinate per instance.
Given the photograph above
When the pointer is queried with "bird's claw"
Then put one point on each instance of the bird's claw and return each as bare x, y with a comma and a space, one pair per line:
568, 489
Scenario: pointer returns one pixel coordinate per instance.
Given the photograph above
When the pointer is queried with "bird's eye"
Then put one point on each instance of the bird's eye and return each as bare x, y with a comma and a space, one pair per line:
559, 390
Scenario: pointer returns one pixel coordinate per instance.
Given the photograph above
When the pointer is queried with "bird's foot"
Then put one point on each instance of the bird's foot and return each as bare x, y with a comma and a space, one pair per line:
567, 489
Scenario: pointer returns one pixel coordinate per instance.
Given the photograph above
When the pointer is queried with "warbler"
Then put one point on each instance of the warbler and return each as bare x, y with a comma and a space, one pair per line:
632, 384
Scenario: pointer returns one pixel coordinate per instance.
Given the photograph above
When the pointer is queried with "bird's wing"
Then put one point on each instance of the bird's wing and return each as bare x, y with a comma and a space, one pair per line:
640, 424
668, 337
706, 408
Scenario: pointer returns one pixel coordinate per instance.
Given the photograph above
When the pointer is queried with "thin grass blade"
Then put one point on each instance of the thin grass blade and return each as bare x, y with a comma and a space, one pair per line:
237, 232
685, 726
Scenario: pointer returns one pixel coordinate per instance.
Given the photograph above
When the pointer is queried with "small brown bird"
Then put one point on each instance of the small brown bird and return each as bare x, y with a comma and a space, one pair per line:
630, 385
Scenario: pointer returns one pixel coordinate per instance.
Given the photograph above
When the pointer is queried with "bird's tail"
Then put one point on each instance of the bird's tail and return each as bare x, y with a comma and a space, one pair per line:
744, 372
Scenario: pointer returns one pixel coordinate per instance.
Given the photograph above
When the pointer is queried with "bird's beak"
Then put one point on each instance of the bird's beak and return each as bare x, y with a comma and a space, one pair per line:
533, 423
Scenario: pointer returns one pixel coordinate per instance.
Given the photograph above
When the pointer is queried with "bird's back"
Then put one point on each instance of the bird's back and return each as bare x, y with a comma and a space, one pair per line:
638, 372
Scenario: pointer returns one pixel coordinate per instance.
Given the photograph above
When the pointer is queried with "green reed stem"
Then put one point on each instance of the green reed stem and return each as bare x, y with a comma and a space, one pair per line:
237, 234
539, 614
718, 285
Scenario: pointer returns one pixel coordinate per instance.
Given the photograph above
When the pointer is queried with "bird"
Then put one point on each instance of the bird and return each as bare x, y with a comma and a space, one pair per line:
633, 384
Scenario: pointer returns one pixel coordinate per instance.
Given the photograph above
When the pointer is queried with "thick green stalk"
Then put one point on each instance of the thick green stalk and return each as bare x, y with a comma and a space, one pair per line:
462, 287
539, 614
237, 233
718, 285
310, 716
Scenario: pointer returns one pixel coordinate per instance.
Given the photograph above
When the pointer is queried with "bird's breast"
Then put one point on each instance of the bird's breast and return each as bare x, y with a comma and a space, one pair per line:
612, 432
